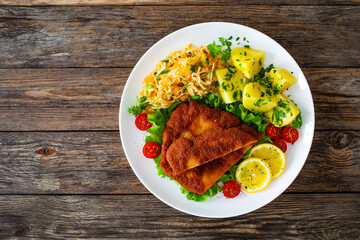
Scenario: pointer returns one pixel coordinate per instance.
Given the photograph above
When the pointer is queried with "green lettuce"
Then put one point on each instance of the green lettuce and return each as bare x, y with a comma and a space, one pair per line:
160, 117
297, 123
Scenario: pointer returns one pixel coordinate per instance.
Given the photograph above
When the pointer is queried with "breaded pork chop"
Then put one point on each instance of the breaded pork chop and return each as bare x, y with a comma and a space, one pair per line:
189, 121
200, 179
196, 134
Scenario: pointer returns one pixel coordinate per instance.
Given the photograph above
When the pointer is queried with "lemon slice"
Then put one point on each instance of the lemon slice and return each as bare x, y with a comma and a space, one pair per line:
253, 174
272, 155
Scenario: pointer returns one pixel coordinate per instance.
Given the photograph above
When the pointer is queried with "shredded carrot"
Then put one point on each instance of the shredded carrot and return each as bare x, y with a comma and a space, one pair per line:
184, 73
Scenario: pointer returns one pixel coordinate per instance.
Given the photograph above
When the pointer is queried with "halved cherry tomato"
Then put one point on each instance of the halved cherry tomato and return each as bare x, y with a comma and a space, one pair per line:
290, 134
231, 189
142, 123
151, 150
273, 132
281, 144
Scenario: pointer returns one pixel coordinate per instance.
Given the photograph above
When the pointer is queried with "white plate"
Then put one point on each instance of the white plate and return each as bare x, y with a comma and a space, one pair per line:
133, 139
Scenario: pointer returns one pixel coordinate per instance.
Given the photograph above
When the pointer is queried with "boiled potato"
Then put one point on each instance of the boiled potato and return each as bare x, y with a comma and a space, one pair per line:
281, 79
258, 98
284, 113
249, 61
231, 84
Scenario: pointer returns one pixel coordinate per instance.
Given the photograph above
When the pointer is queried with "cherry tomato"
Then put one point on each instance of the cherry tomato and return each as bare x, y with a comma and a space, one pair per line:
273, 132
151, 150
142, 123
231, 189
290, 134
281, 144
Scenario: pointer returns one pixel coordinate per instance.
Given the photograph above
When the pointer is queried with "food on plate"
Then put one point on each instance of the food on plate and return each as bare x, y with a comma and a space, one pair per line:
151, 150
273, 132
184, 73
231, 189
273, 156
197, 134
281, 79
253, 174
290, 134
142, 123
231, 84
258, 98
249, 61
280, 144
198, 180
212, 113
284, 113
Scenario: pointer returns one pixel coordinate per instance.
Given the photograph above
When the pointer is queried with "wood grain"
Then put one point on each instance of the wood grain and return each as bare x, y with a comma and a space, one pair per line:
298, 216
94, 163
117, 36
173, 2
88, 99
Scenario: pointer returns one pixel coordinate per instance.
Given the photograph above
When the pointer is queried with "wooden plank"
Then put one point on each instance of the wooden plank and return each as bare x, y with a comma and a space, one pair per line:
166, 2
88, 99
117, 36
298, 216
94, 163
61, 99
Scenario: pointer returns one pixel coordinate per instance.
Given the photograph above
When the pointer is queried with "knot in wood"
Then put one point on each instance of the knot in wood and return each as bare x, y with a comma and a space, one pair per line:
46, 151
341, 139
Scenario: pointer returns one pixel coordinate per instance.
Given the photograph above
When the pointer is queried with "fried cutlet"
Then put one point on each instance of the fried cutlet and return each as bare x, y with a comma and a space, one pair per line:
200, 179
196, 134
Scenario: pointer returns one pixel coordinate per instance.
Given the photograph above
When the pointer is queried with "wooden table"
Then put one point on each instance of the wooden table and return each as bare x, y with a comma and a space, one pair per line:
63, 69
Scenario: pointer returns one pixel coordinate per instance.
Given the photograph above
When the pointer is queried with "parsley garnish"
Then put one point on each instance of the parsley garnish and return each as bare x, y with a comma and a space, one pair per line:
282, 114
200, 64
192, 69
247, 46
258, 102
141, 104
235, 94
214, 49
149, 86
282, 104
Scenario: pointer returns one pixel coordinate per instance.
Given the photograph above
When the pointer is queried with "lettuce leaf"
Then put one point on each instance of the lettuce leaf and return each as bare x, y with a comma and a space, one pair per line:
160, 117
297, 123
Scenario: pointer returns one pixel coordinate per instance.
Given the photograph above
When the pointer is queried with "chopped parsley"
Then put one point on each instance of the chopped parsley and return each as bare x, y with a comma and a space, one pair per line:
282, 104
235, 94
149, 86
200, 64
192, 69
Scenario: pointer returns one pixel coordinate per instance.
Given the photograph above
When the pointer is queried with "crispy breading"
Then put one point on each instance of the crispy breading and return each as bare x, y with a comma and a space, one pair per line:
185, 121
200, 134
195, 129
200, 179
